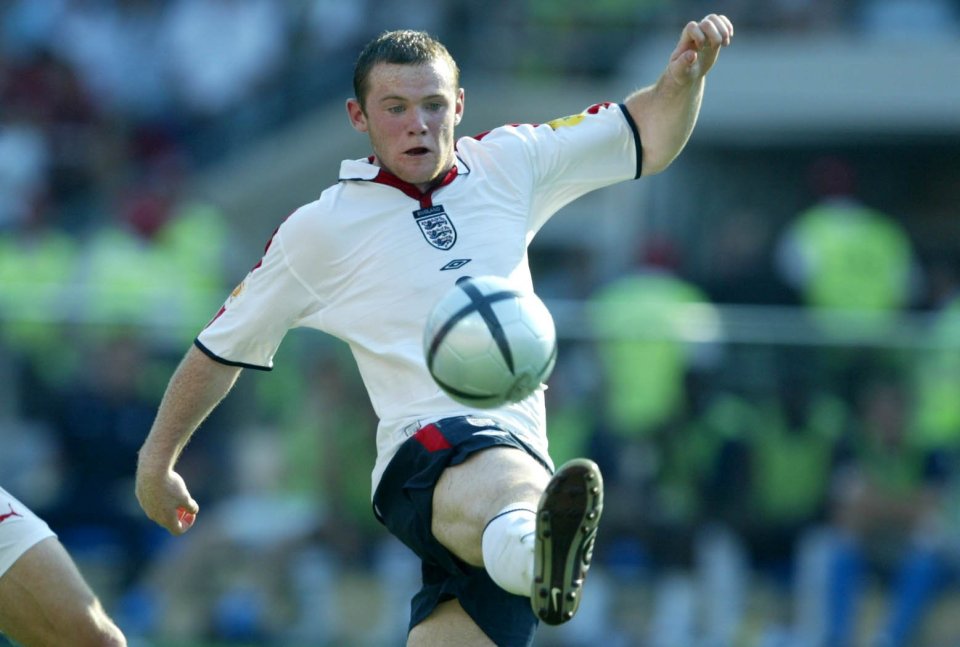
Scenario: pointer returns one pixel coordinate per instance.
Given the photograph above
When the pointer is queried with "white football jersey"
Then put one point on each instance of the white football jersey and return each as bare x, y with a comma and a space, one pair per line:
367, 260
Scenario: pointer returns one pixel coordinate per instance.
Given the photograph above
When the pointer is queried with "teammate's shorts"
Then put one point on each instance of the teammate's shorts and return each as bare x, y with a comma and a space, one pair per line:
403, 502
20, 530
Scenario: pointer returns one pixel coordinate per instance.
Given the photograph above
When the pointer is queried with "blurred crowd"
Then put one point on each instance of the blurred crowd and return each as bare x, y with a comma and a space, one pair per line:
759, 493
779, 427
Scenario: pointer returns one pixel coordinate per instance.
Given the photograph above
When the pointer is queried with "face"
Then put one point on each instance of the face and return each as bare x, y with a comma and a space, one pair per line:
410, 115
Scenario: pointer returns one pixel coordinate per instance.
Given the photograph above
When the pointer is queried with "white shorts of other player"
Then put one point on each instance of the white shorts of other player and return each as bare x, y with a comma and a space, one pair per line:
20, 530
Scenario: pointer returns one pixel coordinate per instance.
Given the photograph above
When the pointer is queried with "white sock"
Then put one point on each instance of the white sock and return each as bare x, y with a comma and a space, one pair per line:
507, 546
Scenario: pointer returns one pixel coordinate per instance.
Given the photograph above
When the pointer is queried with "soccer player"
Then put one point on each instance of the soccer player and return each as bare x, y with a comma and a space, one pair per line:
44, 599
472, 492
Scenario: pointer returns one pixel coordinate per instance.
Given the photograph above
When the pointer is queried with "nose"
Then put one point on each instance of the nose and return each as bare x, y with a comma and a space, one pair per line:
418, 121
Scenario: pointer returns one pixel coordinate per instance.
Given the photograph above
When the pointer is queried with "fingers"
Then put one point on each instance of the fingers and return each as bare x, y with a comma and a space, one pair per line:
186, 518
729, 27
178, 517
713, 31
699, 47
165, 500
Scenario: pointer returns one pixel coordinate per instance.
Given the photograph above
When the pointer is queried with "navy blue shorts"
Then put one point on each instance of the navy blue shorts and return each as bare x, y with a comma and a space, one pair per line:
403, 503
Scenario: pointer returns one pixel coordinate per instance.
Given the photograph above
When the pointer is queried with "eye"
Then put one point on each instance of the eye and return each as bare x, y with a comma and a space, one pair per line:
395, 110
434, 106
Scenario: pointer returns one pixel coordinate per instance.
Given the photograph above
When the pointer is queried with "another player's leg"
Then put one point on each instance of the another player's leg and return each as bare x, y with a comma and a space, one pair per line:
44, 601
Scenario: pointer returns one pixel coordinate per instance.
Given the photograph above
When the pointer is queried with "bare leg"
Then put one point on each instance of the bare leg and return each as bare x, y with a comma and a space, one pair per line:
468, 495
505, 481
45, 602
448, 625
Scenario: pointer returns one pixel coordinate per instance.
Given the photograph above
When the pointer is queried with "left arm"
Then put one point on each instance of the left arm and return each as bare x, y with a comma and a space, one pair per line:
667, 111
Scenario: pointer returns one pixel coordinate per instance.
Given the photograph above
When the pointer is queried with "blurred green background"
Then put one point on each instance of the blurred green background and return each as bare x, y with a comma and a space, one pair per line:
759, 346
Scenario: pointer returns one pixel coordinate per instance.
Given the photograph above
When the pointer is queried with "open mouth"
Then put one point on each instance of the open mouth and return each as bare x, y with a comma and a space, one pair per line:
416, 152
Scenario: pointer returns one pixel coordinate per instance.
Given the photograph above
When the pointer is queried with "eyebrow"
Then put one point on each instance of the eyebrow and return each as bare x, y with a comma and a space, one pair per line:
397, 97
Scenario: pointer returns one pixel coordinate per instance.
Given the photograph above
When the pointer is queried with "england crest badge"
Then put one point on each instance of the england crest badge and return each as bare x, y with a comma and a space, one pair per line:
436, 226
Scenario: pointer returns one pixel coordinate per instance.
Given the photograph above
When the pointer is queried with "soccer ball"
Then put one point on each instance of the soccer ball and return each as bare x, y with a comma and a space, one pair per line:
488, 343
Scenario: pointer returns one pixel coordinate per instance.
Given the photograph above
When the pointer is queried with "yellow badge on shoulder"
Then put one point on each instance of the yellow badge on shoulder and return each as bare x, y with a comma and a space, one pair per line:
572, 120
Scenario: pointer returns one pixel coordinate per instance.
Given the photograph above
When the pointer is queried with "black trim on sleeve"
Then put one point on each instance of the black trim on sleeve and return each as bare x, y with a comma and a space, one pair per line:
209, 353
636, 138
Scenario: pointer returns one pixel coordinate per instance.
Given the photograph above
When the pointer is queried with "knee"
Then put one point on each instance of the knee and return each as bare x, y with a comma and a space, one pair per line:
96, 630
102, 637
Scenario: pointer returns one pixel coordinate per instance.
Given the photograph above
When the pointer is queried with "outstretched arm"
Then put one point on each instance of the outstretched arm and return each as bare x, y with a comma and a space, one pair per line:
195, 389
666, 111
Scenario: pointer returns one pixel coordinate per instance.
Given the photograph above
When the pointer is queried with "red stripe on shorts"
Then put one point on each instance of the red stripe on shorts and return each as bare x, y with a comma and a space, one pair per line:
432, 438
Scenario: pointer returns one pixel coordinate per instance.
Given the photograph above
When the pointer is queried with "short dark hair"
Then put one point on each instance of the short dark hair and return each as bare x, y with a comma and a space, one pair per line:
403, 47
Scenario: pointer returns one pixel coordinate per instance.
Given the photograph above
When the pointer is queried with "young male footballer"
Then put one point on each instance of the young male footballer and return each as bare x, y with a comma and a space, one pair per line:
504, 541
44, 599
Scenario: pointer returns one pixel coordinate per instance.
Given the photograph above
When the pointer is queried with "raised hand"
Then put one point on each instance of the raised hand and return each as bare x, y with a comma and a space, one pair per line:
699, 47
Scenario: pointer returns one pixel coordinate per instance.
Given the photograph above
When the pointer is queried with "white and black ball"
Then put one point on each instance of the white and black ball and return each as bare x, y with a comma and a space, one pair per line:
488, 342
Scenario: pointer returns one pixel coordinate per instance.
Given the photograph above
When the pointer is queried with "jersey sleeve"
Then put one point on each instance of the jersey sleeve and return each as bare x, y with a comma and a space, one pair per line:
574, 155
271, 299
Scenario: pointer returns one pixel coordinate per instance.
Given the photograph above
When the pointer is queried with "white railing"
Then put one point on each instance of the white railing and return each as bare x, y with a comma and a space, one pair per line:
693, 323
765, 325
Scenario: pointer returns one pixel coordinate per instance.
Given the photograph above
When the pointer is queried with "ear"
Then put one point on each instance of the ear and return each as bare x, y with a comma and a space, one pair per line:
355, 113
458, 114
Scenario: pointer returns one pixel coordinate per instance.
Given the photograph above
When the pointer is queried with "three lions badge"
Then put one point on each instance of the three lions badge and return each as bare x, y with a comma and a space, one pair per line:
436, 226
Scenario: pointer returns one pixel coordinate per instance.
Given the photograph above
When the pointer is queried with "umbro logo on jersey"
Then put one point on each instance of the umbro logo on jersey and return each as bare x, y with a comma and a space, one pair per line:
436, 226
455, 264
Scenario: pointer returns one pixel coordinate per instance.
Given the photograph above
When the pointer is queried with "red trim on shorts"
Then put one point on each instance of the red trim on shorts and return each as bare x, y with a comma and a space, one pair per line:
432, 438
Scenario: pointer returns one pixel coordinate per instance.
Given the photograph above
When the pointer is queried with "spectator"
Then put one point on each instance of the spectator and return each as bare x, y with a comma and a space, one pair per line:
42, 93
936, 371
99, 425
643, 353
646, 440
219, 51
27, 26
24, 161
38, 268
739, 266
769, 486
222, 56
887, 504
845, 257
114, 48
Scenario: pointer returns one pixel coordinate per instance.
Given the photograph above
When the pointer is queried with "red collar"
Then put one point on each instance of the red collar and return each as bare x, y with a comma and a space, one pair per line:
424, 197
